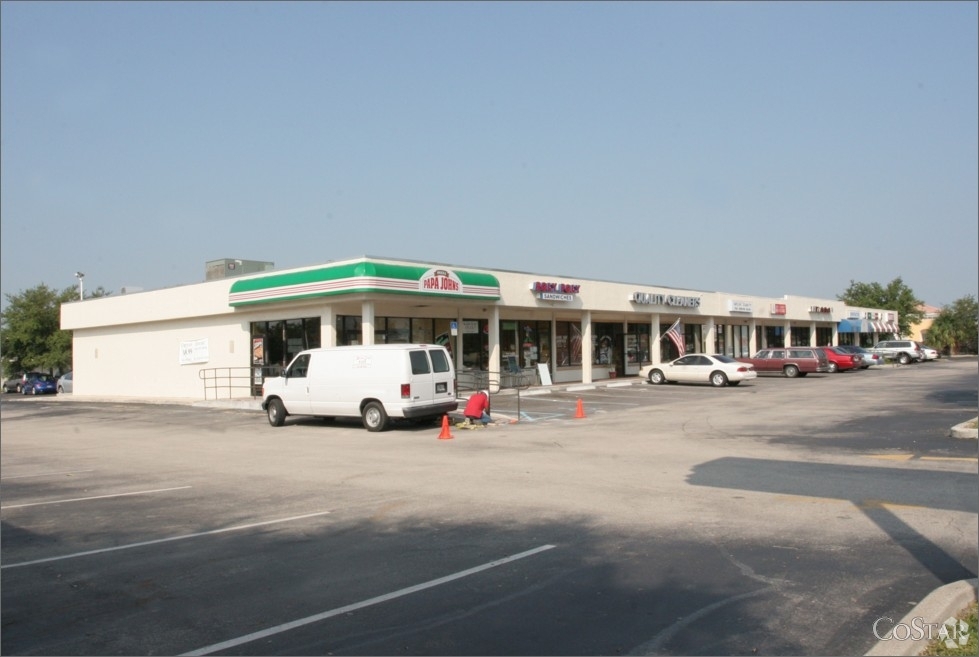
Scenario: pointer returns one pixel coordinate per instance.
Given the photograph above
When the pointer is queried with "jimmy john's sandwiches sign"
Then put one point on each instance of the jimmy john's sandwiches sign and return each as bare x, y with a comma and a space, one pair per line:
548, 291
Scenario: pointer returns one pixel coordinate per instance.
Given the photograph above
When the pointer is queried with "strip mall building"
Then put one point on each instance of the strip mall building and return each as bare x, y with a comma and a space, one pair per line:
498, 325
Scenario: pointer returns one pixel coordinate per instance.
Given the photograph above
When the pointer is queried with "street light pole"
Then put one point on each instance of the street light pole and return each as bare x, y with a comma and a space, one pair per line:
81, 285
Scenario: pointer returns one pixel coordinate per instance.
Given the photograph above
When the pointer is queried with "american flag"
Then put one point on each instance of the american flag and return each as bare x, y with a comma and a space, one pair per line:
676, 334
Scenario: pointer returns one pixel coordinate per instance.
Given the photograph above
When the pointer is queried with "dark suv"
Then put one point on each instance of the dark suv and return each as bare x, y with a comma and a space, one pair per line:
790, 361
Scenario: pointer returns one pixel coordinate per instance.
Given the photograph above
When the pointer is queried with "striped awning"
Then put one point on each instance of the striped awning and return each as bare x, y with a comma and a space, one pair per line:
866, 326
365, 276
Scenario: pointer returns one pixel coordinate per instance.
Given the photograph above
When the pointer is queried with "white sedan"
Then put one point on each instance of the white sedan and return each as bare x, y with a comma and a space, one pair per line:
716, 370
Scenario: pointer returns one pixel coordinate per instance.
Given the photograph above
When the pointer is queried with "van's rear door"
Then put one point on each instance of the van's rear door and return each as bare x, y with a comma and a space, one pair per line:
443, 374
422, 382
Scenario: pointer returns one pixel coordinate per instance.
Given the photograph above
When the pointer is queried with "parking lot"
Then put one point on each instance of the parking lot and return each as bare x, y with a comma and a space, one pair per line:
783, 516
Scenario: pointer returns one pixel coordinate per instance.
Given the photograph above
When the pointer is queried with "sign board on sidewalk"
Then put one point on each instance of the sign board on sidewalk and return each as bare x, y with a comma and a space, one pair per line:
545, 374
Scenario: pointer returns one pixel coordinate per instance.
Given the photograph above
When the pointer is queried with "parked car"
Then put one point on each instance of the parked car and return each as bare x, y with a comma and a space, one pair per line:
36, 383
716, 370
789, 361
65, 382
16, 383
903, 351
841, 361
928, 353
869, 359
13, 383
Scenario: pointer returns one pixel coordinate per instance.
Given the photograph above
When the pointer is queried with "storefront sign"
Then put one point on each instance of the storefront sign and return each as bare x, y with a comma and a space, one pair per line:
554, 291
664, 300
820, 309
736, 306
778, 309
439, 280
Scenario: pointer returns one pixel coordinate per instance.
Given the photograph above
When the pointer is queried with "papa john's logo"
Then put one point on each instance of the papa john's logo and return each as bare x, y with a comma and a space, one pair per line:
439, 280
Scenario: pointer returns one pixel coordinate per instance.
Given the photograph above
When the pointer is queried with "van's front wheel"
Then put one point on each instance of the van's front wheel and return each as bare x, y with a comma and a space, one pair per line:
277, 413
375, 419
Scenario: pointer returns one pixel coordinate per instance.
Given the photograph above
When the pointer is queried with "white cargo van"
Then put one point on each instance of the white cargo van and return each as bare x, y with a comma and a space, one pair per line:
374, 382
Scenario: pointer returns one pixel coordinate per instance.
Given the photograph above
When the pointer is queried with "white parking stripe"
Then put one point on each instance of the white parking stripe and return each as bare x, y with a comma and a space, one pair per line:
164, 540
285, 627
94, 497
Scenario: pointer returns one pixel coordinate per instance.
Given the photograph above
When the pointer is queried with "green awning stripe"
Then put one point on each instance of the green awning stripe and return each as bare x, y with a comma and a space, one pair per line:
360, 277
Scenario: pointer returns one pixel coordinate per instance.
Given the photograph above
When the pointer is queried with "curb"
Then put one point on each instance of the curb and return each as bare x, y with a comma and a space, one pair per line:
965, 431
942, 603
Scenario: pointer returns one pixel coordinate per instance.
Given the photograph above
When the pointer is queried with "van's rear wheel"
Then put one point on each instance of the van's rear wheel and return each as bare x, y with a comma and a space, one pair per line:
791, 371
375, 419
277, 413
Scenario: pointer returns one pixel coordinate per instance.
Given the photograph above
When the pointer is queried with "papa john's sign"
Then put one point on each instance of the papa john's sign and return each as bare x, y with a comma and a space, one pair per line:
439, 280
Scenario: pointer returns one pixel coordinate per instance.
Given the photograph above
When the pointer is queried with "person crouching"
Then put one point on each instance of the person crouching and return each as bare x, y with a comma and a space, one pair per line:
477, 408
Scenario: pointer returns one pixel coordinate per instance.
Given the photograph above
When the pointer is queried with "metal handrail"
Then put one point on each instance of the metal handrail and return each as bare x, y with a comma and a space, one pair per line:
218, 380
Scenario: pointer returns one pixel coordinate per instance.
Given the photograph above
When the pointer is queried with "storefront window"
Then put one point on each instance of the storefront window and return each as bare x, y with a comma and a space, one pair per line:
719, 341
475, 344
824, 336
640, 353
603, 344
772, 336
421, 331
741, 339
800, 336
349, 330
567, 343
276, 343
533, 341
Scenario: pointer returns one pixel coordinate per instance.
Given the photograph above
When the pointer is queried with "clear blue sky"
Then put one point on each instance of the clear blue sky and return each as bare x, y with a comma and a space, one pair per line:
759, 148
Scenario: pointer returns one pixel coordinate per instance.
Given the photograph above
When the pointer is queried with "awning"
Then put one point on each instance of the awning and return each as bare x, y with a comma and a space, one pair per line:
364, 276
854, 326
866, 326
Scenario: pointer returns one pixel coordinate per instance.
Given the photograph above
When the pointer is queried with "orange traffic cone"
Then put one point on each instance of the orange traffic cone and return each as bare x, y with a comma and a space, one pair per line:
580, 411
446, 434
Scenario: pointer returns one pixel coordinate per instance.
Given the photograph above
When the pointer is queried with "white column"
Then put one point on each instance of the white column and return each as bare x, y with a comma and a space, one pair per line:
328, 328
654, 340
494, 349
787, 338
367, 322
753, 338
812, 334
709, 337
586, 347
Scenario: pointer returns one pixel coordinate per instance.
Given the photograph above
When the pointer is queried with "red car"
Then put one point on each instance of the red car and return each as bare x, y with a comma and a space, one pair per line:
841, 361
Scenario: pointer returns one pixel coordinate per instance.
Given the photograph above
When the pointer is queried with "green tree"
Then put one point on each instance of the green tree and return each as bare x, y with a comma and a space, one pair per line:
956, 329
30, 330
896, 296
